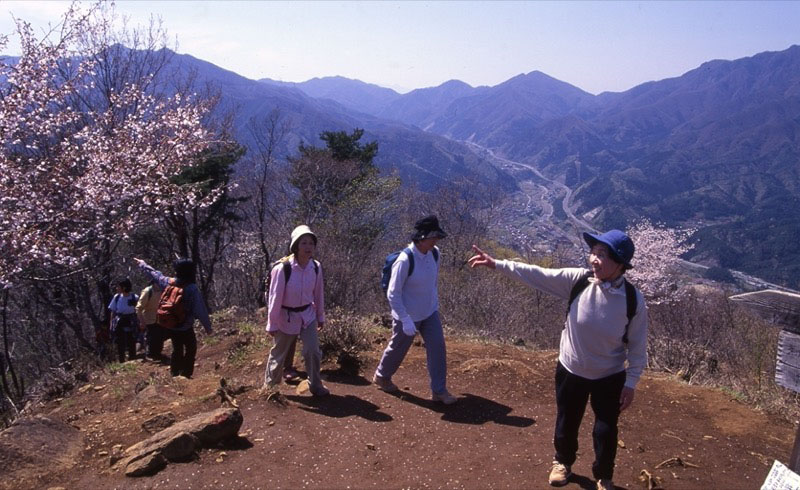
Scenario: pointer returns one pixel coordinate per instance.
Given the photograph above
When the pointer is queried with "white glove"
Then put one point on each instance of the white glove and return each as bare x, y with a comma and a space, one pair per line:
408, 327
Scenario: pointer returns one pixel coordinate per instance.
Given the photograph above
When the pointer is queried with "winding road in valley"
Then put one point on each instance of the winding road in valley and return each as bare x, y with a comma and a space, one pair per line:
535, 195
543, 193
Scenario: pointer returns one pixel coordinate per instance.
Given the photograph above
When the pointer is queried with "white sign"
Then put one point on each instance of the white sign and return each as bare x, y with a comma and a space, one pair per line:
781, 478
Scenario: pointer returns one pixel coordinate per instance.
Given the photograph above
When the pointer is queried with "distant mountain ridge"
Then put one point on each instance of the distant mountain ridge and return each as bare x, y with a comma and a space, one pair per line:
419, 158
716, 148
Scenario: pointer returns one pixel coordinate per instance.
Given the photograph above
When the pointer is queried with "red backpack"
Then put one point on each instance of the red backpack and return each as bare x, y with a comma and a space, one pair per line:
171, 308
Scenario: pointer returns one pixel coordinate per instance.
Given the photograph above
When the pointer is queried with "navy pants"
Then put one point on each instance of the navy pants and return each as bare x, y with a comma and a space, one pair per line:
156, 335
184, 351
572, 393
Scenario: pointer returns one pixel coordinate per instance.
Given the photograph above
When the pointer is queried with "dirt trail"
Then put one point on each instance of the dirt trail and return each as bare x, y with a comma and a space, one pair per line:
498, 435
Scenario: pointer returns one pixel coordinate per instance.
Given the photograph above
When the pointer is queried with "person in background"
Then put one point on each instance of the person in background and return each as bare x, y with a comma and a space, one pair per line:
414, 302
184, 341
598, 339
296, 308
123, 325
146, 311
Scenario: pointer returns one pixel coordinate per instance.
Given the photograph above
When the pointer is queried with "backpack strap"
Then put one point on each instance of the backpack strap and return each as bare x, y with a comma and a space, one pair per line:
410, 254
435, 254
578, 288
287, 269
631, 303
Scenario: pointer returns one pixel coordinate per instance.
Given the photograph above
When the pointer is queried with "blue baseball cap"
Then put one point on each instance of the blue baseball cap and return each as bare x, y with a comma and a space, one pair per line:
620, 245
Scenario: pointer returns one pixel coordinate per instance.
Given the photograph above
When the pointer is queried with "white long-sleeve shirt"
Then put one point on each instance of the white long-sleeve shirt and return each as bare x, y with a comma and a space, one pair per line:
591, 342
414, 297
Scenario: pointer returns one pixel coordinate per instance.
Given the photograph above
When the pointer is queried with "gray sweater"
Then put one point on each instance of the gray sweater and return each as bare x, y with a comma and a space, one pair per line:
591, 342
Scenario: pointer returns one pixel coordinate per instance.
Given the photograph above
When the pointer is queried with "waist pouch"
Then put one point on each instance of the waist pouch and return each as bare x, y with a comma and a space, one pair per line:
296, 309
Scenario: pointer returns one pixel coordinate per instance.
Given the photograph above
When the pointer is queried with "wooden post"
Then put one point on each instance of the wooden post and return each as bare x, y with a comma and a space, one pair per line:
782, 309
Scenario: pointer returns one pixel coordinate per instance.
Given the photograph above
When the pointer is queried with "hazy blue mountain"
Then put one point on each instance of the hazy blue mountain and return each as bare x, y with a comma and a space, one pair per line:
422, 106
506, 112
352, 94
421, 159
718, 148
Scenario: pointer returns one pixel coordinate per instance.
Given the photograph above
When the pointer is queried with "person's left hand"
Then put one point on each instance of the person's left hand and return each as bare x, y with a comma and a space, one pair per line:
626, 398
481, 258
320, 325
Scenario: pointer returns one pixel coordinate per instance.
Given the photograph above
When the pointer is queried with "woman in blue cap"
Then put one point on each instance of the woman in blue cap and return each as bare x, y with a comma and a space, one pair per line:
606, 327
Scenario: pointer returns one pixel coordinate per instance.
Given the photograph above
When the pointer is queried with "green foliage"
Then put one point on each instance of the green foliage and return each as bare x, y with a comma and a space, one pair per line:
345, 146
346, 202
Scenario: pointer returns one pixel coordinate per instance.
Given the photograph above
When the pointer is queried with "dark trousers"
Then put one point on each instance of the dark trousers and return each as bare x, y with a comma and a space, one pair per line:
184, 350
125, 340
155, 340
572, 393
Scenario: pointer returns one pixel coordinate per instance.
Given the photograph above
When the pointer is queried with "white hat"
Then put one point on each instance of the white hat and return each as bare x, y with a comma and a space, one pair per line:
299, 232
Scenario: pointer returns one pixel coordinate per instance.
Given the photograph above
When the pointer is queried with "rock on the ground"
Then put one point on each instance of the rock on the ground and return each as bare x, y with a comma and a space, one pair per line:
38, 446
159, 422
180, 441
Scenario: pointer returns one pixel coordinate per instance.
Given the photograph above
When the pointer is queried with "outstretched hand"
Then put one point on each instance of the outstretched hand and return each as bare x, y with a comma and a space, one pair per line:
481, 258
138, 261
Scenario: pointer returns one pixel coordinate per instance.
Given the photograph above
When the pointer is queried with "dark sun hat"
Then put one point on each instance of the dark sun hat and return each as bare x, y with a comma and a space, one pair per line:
428, 227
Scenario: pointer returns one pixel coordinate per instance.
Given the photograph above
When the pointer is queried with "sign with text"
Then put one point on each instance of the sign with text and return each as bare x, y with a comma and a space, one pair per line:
781, 478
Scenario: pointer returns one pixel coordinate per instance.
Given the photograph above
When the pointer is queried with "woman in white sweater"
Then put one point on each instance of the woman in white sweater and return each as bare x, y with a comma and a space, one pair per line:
606, 327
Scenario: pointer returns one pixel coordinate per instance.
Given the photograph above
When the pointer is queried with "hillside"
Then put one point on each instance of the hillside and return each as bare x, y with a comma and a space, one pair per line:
498, 435
422, 159
717, 149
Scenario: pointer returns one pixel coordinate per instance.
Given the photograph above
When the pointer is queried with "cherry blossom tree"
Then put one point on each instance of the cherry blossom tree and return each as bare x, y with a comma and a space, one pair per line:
71, 179
90, 148
658, 251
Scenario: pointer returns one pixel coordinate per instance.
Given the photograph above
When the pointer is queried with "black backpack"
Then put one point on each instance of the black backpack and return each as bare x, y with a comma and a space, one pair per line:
630, 298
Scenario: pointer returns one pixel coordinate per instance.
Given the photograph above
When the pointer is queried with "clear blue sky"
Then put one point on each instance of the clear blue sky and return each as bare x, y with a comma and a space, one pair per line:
597, 46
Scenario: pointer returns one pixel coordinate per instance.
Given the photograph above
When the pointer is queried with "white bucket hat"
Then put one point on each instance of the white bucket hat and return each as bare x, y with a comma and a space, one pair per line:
299, 232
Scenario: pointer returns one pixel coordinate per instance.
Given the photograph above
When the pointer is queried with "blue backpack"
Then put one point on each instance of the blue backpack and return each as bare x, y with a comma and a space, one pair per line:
386, 274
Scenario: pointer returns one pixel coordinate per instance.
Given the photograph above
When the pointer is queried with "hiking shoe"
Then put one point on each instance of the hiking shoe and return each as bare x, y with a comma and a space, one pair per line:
559, 475
291, 375
321, 391
384, 384
444, 397
605, 485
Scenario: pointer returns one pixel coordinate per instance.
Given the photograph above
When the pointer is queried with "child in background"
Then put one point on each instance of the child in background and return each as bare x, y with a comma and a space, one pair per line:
124, 324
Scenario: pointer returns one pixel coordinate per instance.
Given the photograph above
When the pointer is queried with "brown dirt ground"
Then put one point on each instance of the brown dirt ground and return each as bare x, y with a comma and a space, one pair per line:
498, 435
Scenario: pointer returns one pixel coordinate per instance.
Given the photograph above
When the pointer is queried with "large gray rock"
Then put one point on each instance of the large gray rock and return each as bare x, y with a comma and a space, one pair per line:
180, 441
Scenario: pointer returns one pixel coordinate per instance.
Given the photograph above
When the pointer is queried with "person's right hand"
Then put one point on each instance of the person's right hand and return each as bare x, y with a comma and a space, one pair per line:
138, 261
409, 328
481, 258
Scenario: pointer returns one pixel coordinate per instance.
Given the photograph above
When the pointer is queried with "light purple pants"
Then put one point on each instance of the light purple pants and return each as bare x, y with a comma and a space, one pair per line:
431, 331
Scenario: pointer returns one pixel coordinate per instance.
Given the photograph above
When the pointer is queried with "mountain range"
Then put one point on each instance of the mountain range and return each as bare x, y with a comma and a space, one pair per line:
717, 148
